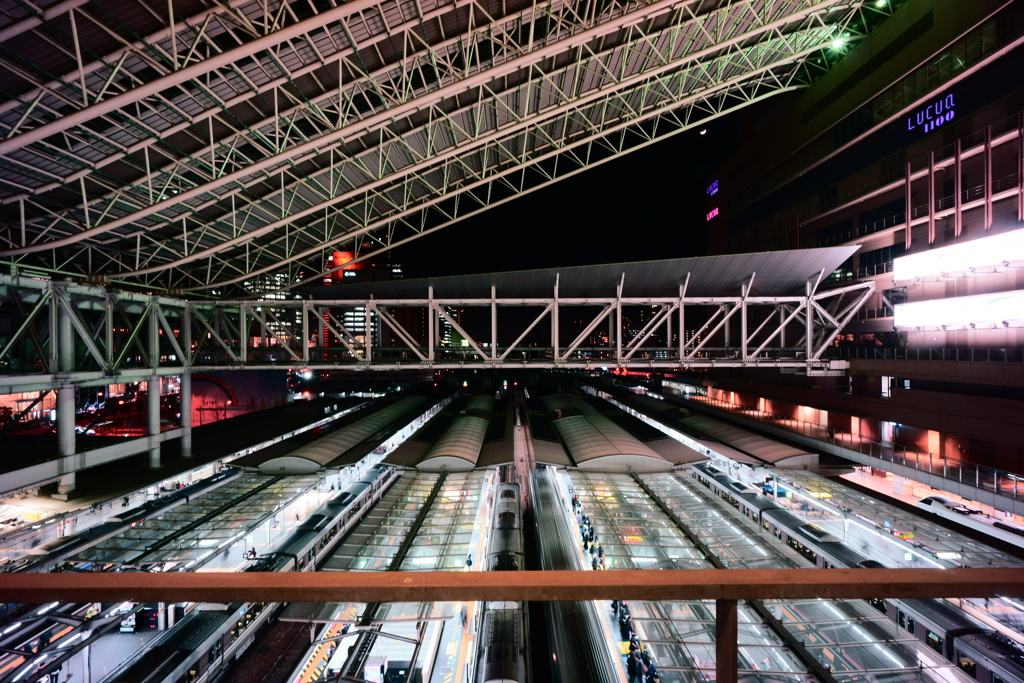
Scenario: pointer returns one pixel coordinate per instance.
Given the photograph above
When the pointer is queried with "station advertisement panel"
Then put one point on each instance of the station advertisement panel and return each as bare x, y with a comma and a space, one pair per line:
1001, 309
958, 258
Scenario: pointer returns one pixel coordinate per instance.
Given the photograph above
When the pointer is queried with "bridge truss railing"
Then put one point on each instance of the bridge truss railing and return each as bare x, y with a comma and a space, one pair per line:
61, 334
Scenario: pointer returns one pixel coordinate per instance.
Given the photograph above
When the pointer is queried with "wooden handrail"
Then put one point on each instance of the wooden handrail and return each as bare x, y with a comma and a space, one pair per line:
675, 584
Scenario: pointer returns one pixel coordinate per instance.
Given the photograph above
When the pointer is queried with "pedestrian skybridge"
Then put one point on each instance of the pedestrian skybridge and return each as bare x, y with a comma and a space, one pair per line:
765, 310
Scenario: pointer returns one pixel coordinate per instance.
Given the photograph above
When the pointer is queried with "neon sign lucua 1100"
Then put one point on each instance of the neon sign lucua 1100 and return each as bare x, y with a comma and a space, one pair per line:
935, 114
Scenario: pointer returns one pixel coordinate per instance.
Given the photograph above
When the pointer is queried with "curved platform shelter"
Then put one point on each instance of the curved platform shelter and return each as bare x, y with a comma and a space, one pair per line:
459, 446
595, 442
674, 416
319, 454
761, 447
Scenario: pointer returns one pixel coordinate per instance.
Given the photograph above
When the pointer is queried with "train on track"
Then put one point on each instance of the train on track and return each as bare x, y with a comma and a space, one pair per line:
985, 654
503, 655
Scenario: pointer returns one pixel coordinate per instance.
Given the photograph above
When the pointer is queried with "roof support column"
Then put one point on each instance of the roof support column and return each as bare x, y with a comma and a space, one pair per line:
809, 319
243, 334
65, 349
431, 324
153, 390
745, 291
668, 331
305, 331
66, 433
554, 321
782, 326
185, 410
153, 421
494, 333
618, 320
726, 643
743, 328
682, 318
368, 331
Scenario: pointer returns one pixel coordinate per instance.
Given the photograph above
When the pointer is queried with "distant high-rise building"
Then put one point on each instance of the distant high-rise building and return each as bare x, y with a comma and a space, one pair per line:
354, 318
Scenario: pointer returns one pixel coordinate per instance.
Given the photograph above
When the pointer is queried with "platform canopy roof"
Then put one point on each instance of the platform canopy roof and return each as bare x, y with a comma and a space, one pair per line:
318, 454
459, 446
596, 442
776, 273
767, 450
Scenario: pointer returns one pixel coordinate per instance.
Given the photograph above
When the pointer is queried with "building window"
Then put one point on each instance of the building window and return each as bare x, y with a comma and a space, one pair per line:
905, 621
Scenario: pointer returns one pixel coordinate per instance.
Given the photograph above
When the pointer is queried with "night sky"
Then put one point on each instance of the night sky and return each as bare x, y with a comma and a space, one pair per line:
646, 205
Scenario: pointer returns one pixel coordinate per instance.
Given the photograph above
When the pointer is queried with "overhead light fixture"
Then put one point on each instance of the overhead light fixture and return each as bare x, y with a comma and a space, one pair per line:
703, 131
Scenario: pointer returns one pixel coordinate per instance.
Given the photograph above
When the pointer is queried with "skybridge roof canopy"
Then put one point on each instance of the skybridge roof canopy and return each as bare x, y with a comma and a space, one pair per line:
776, 273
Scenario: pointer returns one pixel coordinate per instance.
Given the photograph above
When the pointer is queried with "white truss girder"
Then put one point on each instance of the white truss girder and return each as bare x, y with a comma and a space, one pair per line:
105, 337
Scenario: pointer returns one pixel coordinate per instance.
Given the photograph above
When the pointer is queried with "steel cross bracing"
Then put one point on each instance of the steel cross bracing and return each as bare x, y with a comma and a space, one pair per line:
228, 145
68, 334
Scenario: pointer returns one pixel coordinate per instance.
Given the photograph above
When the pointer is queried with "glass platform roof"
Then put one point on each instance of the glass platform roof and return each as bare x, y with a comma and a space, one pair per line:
825, 501
849, 637
193, 532
434, 634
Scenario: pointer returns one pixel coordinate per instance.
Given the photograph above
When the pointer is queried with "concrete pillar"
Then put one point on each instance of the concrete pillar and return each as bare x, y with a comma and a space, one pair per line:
65, 398
185, 409
153, 418
66, 483
161, 616
66, 433
726, 644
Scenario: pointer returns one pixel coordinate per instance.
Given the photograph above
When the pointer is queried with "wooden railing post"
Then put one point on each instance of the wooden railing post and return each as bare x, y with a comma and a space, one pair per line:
726, 643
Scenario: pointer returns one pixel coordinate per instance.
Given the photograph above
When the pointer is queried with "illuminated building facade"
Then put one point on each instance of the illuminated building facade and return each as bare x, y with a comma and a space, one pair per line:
934, 135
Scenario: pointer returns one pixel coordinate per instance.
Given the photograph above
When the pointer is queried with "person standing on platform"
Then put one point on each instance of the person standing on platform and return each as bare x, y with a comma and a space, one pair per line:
631, 669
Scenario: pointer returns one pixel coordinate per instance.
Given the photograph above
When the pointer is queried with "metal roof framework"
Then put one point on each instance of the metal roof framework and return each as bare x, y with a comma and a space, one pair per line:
227, 147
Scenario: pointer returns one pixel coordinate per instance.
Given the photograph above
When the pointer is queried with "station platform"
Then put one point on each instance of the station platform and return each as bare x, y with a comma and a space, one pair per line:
36, 519
850, 638
402, 532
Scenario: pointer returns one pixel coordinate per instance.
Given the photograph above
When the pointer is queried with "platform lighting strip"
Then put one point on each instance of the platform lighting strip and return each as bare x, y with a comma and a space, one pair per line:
961, 258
